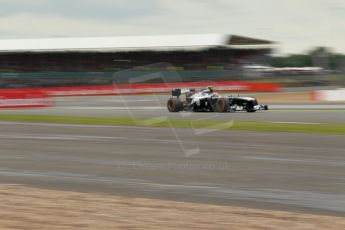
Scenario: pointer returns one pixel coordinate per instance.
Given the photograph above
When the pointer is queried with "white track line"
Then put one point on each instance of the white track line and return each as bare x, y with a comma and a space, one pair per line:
126, 100
301, 161
112, 108
65, 137
73, 125
296, 122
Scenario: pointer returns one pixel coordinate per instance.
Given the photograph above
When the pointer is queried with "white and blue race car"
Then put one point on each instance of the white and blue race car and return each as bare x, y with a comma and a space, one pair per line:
206, 100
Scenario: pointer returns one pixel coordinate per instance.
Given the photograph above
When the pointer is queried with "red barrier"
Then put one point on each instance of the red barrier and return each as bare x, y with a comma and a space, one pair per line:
24, 98
39, 97
233, 86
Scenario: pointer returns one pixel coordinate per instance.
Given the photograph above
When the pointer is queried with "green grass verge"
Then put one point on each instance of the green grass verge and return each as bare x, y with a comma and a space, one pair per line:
185, 123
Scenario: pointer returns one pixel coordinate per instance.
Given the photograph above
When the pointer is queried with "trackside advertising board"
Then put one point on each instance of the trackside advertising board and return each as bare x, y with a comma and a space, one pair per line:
24, 98
42, 97
152, 88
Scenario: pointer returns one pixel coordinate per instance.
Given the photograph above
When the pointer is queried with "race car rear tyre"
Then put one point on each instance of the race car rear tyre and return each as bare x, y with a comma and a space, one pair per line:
174, 105
251, 110
222, 105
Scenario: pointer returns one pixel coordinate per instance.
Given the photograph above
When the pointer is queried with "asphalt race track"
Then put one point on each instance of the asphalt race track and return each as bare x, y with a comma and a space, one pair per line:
265, 170
155, 106
283, 171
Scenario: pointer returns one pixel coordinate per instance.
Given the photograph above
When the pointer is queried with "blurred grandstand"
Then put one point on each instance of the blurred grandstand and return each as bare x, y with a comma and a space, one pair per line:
80, 61
105, 60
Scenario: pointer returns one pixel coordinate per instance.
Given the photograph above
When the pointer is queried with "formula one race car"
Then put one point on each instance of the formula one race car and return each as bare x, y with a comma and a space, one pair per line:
206, 100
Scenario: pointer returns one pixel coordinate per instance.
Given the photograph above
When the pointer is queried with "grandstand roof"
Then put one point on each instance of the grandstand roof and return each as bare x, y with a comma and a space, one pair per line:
133, 43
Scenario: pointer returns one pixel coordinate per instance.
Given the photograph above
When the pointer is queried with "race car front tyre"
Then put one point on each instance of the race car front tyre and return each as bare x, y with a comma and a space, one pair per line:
174, 105
222, 105
251, 110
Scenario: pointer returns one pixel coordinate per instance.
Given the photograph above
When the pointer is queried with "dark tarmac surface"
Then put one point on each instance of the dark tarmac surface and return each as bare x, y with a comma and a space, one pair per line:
281, 171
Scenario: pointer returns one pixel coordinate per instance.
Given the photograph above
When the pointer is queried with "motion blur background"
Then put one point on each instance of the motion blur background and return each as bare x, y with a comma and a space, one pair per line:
86, 140
307, 48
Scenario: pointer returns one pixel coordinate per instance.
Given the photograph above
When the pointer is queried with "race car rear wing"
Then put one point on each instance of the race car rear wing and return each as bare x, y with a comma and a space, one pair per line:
178, 92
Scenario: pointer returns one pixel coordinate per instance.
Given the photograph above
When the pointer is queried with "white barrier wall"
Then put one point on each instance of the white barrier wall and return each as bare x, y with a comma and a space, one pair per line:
331, 95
